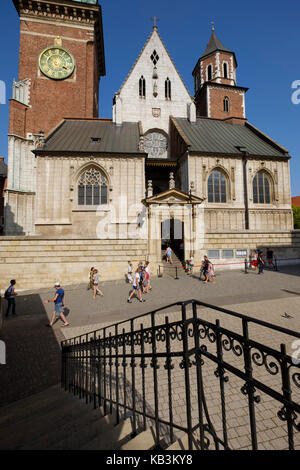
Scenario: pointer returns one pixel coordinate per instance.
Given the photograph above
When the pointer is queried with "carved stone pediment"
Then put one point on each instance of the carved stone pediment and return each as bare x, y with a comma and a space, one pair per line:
173, 196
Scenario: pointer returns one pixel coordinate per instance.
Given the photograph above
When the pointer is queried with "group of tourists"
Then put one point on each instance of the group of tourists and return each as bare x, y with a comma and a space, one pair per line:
207, 270
257, 261
94, 282
140, 280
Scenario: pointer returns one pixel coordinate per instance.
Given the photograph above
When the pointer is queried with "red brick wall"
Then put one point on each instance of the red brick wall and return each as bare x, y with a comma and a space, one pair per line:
217, 96
17, 118
52, 100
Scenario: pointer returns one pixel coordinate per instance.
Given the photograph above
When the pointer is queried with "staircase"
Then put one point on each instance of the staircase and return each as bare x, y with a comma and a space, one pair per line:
57, 420
170, 269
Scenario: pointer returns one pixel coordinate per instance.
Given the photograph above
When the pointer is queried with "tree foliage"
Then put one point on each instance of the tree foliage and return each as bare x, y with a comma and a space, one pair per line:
296, 213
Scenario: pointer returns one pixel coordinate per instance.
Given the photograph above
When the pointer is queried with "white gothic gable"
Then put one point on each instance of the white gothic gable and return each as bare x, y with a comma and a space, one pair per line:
153, 111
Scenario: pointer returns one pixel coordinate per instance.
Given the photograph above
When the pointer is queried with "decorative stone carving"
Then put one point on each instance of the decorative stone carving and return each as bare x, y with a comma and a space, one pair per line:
39, 140
149, 189
172, 181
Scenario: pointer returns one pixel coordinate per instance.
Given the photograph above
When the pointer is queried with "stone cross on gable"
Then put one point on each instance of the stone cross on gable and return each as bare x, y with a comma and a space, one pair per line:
154, 19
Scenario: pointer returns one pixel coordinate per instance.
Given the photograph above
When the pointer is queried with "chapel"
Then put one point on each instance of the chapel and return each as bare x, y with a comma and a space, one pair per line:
169, 167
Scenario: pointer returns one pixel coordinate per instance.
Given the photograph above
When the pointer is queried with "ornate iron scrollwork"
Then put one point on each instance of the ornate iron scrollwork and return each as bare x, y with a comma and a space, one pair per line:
261, 358
284, 415
231, 344
248, 389
220, 373
168, 364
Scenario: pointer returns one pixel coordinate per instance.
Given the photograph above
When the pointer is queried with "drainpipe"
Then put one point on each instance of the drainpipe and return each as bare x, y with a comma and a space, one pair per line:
245, 160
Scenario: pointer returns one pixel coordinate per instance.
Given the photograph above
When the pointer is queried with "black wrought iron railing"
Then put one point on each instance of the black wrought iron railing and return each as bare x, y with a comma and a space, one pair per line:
178, 370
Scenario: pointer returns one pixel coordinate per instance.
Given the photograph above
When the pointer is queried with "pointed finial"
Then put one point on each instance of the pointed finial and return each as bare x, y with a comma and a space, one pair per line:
212, 25
154, 19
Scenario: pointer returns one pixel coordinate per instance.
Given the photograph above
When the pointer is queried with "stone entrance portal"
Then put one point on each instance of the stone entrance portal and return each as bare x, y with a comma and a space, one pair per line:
173, 218
172, 233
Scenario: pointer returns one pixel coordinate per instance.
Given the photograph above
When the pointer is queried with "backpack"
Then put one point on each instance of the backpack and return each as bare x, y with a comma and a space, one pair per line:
7, 293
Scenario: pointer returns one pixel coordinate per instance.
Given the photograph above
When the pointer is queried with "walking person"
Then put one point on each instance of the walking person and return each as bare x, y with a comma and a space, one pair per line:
261, 262
254, 260
90, 284
142, 278
209, 271
147, 269
10, 295
190, 266
129, 272
204, 268
59, 303
136, 287
96, 284
168, 255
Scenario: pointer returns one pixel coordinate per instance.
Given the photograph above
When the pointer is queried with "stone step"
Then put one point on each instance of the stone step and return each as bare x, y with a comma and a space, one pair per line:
143, 441
35, 423
76, 432
113, 439
18, 410
183, 444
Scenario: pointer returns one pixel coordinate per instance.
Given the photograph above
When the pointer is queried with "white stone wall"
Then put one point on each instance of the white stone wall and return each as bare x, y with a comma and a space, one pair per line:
57, 208
130, 107
230, 215
21, 186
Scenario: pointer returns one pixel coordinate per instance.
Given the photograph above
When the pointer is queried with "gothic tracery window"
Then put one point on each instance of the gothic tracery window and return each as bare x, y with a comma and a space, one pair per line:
168, 89
92, 188
209, 72
226, 104
142, 87
261, 188
154, 57
225, 69
155, 144
217, 187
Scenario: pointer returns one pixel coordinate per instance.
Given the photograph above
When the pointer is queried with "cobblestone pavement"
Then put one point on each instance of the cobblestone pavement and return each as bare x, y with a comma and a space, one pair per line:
232, 287
33, 354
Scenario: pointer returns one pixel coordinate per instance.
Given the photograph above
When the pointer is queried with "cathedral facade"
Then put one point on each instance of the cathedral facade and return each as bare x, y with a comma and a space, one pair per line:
168, 167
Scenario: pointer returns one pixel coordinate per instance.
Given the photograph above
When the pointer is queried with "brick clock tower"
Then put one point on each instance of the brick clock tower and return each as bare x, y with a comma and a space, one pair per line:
61, 61
217, 95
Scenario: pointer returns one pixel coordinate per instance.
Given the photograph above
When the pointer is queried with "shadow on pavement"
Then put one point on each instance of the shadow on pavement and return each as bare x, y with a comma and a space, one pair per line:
33, 355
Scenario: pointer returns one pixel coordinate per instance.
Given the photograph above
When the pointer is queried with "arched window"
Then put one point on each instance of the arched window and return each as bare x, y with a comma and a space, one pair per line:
92, 188
226, 104
142, 87
261, 188
225, 69
216, 187
168, 89
209, 72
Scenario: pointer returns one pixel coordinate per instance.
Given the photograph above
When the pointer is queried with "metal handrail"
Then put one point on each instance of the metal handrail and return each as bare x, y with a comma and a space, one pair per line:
102, 367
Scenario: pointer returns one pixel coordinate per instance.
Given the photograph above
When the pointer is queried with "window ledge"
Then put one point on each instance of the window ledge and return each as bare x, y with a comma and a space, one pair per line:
100, 208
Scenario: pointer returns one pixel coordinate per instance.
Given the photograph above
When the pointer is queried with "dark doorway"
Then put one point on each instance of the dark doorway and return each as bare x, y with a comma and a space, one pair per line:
172, 233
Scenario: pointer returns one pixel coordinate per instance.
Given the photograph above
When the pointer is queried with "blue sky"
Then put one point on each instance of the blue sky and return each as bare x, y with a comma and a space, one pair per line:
265, 36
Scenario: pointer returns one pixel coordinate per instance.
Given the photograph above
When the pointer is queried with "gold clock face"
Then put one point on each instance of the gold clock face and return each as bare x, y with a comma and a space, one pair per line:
56, 62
